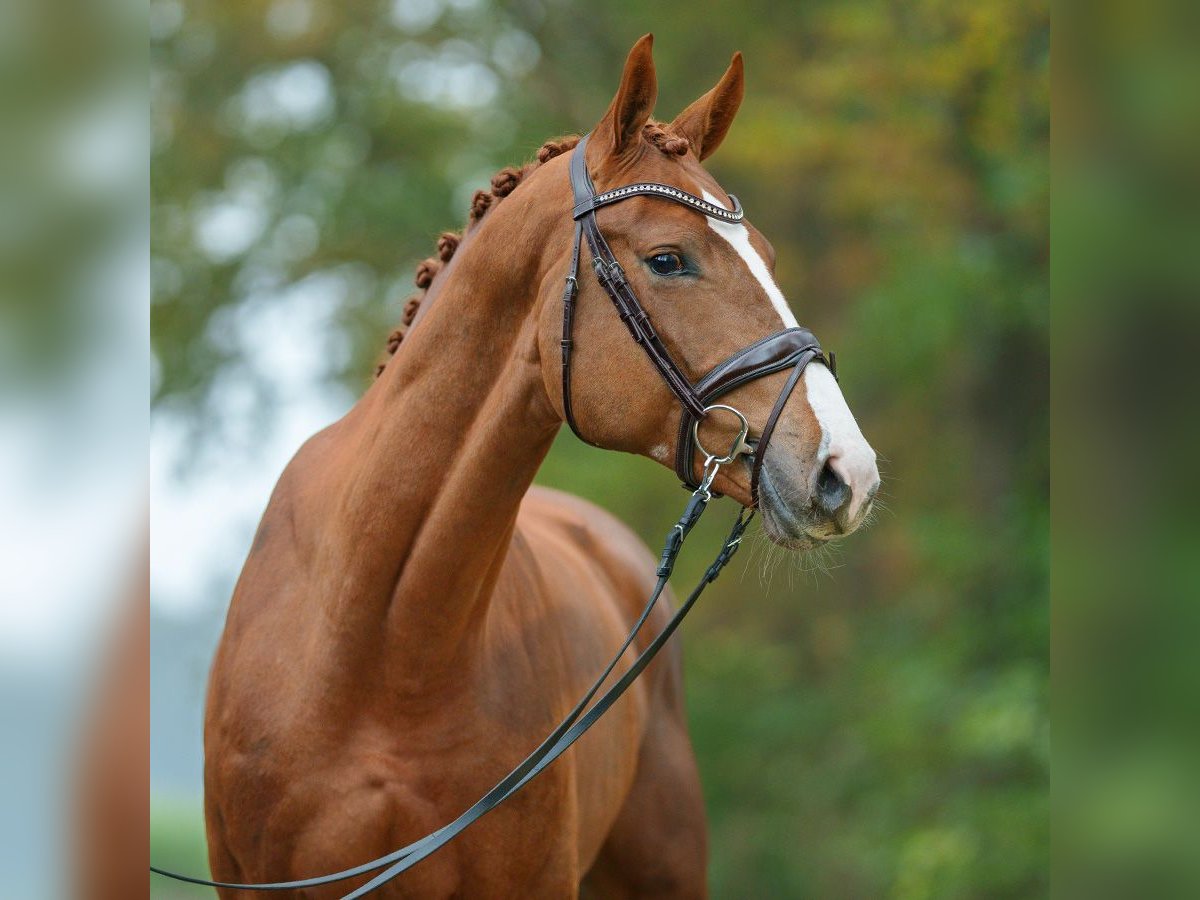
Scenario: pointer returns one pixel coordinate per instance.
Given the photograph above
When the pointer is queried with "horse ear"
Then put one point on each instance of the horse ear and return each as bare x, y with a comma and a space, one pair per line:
706, 122
631, 107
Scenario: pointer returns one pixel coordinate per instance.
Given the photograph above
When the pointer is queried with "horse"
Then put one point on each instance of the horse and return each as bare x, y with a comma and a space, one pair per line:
414, 616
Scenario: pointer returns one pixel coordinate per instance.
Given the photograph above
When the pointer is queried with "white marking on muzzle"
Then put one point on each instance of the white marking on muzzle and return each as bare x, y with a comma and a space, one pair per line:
842, 442
847, 451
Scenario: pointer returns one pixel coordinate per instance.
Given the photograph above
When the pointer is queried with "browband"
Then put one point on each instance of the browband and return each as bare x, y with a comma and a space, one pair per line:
654, 189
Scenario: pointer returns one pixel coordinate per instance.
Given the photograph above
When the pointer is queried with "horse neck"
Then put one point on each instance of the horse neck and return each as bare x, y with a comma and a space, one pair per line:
443, 447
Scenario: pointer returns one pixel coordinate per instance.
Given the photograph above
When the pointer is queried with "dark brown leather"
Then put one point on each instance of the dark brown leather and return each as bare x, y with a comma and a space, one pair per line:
616, 285
763, 357
760, 450
793, 347
570, 293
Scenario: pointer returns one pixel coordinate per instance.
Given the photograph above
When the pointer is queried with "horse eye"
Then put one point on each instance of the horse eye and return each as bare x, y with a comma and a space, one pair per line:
666, 264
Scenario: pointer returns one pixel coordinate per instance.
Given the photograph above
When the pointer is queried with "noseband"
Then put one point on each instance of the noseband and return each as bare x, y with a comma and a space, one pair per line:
791, 348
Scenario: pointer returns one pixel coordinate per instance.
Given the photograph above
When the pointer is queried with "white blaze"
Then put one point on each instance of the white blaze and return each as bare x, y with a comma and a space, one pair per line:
739, 238
848, 452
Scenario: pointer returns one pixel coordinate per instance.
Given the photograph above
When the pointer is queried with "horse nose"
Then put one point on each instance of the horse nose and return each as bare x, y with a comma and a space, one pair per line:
833, 495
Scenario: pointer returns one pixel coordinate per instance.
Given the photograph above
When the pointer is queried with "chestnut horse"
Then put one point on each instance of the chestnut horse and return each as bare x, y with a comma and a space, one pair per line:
414, 617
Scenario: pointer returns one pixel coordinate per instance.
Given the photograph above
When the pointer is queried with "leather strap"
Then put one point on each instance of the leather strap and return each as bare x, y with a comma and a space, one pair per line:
570, 294
760, 451
612, 278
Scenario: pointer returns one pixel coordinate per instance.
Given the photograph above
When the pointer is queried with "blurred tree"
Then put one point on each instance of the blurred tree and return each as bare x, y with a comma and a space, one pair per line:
883, 733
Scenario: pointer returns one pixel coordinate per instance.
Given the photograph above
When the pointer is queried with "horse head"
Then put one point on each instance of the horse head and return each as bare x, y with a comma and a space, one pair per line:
708, 287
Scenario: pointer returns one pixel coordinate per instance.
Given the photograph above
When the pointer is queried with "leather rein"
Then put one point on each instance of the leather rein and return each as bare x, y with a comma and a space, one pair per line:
792, 348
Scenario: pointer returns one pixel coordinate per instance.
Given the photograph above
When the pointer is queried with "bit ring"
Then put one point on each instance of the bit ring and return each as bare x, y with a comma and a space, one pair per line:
736, 448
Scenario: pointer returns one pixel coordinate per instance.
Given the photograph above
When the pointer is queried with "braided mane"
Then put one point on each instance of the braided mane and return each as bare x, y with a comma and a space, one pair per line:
504, 183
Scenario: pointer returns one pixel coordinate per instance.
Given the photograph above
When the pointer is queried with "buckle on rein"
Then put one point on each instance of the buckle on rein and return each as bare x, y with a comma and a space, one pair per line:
701, 496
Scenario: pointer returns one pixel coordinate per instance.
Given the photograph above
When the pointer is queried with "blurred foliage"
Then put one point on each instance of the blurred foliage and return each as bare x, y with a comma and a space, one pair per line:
72, 189
177, 843
872, 724
1127, 575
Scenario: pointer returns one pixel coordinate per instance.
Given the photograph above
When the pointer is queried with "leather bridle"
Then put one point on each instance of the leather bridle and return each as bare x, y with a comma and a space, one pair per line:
792, 348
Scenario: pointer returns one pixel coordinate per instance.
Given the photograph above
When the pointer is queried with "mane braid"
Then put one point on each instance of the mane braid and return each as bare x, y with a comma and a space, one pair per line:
504, 183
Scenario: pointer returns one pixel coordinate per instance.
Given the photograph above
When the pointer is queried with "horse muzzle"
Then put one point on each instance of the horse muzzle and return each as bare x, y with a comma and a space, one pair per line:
806, 506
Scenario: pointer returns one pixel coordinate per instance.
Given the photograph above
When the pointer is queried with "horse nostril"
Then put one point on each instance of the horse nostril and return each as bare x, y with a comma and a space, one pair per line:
832, 493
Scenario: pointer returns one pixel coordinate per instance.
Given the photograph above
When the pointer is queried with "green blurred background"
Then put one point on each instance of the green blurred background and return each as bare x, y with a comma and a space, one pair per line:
873, 723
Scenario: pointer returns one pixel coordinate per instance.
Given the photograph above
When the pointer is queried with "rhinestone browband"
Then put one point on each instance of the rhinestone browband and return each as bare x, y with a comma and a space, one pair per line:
654, 189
